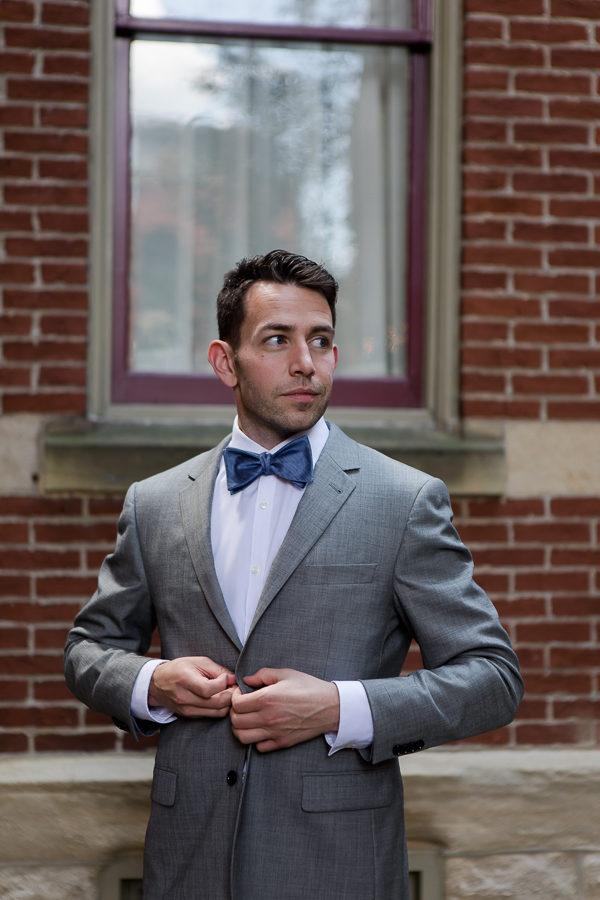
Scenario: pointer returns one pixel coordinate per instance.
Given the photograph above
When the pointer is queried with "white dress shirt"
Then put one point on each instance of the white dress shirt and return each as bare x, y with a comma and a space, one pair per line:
247, 530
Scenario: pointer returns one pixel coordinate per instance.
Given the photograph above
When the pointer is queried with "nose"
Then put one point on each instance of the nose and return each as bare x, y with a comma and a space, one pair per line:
302, 361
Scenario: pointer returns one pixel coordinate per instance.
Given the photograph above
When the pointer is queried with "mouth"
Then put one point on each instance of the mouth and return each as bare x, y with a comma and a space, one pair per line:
302, 394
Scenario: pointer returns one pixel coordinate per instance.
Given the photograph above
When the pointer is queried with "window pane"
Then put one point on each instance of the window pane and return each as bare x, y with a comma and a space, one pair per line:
238, 148
354, 13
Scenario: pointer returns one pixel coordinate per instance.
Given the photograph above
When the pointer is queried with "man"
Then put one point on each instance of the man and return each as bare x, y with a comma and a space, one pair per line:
287, 588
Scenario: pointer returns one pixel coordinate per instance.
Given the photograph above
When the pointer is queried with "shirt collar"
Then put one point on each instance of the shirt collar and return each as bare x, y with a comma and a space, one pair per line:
317, 436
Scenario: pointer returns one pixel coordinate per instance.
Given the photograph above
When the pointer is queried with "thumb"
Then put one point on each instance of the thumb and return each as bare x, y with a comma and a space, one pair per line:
262, 677
222, 681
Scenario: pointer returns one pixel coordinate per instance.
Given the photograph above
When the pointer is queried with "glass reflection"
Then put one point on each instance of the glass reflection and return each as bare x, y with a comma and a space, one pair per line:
238, 148
350, 13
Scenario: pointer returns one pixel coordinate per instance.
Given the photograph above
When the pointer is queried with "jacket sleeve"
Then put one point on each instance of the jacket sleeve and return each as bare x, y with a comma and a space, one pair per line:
470, 681
105, 647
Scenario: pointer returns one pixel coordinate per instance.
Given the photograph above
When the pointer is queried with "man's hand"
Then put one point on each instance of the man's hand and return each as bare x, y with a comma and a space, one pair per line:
192, 686
287, 708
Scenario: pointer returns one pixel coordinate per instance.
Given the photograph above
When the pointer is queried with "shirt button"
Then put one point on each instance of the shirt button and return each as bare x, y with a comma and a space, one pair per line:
263, 505
254, 570
231, 778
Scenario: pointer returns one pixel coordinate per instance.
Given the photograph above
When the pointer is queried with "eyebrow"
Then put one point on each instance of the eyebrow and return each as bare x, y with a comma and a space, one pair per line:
280, 326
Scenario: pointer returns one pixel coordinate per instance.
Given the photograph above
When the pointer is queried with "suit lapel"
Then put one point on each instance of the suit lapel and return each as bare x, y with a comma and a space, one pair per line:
321, 502
196, 504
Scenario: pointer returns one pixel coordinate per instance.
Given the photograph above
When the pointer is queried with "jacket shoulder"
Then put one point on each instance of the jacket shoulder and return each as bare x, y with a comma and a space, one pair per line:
373, 464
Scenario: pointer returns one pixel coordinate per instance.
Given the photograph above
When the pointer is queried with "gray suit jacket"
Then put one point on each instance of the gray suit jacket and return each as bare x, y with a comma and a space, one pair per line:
370, 561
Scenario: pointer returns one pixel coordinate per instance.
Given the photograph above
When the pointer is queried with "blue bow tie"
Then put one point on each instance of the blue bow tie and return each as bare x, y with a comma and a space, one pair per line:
293, 463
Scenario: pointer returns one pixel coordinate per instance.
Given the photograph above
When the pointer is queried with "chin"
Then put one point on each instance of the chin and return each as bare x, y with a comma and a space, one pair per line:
303, 422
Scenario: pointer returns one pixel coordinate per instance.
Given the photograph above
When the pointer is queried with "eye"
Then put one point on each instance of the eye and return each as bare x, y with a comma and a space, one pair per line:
322, 342
275, 340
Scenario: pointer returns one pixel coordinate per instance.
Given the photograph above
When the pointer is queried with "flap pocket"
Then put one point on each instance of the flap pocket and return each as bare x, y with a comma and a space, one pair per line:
346, 791
164, 786
356, 573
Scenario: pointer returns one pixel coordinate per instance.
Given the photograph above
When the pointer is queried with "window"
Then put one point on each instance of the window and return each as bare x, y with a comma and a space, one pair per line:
311, 127
300, 129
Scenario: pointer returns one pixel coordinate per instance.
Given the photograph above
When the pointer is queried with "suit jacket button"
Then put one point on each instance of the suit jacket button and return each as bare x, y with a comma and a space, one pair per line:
231, 778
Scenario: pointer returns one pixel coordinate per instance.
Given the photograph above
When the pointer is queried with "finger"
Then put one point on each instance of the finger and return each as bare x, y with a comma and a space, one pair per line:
217, 706
210, 668
254, 680
268, 746
251, 735
208, 687
262, 677
244, 721
198, 712
246, 703
221, 700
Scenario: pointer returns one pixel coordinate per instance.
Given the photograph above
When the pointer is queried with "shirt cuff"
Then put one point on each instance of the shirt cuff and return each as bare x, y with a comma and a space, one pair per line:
355, 730
139, 696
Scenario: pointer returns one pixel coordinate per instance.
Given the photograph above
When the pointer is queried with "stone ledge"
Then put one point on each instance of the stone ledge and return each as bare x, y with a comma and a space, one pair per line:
71, 769
474, 766
65, 809
477, 764
465, 802
501, 801
86, 458
485, 823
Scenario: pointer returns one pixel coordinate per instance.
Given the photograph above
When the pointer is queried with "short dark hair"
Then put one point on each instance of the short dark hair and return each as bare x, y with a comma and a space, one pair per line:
278, 266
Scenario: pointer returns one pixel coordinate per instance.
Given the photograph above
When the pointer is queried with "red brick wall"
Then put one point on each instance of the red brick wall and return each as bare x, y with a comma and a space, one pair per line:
45, 62
531, 338
530, 350
539, 561
531, 332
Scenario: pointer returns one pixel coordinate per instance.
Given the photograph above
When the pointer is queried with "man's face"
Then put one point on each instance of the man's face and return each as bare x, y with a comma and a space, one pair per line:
284, 363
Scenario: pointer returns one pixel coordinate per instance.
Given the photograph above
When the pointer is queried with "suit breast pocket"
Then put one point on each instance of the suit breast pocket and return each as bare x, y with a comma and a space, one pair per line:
336, 573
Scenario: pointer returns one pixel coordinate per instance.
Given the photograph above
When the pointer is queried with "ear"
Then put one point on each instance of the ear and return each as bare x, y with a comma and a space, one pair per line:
335, 355
220, 356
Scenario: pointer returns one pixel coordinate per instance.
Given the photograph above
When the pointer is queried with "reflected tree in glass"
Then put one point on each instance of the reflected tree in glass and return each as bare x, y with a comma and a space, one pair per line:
239, 147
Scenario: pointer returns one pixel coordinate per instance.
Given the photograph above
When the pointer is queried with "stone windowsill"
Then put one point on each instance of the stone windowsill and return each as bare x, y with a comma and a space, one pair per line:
99, 458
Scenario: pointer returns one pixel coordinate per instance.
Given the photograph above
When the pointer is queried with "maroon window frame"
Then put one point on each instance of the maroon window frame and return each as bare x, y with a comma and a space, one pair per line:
387, 392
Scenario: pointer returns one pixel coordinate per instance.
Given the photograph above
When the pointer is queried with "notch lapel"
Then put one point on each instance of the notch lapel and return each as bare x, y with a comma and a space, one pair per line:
196, 505
322, 501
